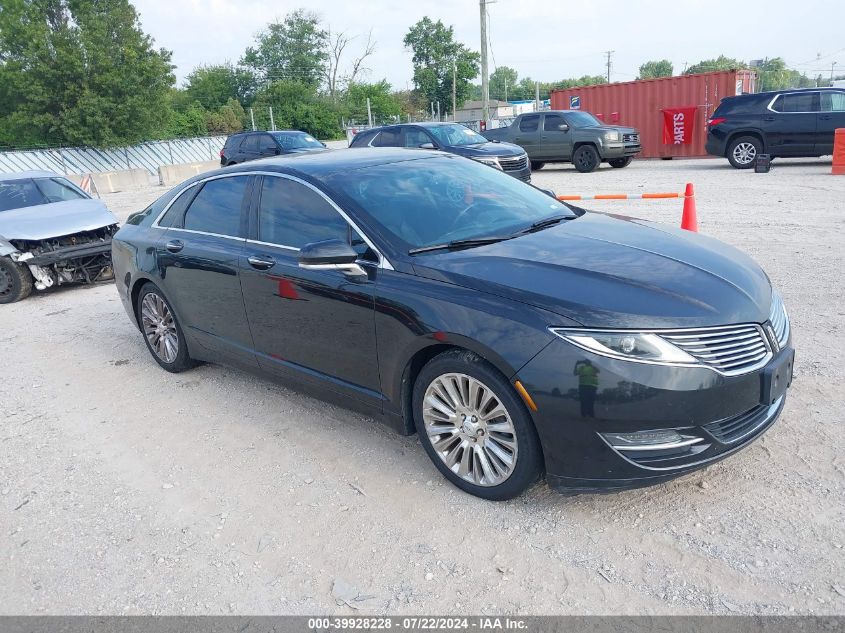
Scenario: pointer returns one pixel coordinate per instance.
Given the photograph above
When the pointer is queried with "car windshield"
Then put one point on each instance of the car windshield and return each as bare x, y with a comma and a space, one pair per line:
296, 140
582, 119
456, 135
30, 192
439, 199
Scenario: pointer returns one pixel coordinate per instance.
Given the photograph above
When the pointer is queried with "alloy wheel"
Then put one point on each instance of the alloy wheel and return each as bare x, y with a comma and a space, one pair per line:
744, 153
159, 327
470, 429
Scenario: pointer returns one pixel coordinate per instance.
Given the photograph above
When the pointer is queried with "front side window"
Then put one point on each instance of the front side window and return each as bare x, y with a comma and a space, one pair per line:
529, 123
582, 119
414, 137
798, 102
291, 214
552, 123
833, 102
266, 144
217, 207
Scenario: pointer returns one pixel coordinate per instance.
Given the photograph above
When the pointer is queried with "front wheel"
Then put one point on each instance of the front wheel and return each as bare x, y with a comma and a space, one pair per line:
586, 159
474, 427
162, 332
537, 165
620, 163
743, 151
15, 281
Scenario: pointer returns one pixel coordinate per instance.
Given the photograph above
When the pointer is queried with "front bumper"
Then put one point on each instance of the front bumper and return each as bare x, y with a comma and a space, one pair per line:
523, 174
620, 150
717, 415
68, 253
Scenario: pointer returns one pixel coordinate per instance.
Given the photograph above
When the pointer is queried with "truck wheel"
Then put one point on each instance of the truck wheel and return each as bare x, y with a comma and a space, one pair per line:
536, 165
585, 159
743, 151
620, 163
15, 281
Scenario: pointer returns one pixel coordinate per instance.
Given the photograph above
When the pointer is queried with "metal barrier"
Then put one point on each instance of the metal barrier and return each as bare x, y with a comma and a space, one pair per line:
83, 160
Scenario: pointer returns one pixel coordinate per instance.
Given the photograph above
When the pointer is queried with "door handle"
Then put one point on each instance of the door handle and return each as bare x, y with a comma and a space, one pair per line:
825, 117
768, 118
261, 262
174, 246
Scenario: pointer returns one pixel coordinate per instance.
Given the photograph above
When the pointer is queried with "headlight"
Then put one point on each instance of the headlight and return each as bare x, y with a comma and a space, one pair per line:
612, 135
634, 346
488, 160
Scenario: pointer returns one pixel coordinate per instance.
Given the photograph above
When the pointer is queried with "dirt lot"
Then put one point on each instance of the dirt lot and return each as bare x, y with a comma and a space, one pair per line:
126, 490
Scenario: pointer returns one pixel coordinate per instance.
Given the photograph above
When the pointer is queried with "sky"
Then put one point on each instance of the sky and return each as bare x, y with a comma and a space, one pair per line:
542, 39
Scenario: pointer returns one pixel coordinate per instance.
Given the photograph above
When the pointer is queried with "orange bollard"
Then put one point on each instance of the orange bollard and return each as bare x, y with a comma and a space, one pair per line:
838, 168
689, 221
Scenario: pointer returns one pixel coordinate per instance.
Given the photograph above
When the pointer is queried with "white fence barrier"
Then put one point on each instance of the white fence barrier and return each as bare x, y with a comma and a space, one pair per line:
148, 156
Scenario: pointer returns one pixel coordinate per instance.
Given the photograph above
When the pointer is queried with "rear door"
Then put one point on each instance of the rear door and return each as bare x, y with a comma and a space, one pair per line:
790, 124
390, 137
555, 144
831, 117
527, 134
199, 257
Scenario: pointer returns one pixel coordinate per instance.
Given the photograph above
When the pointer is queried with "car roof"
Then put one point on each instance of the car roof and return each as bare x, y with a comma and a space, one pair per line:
24, 175
772, 93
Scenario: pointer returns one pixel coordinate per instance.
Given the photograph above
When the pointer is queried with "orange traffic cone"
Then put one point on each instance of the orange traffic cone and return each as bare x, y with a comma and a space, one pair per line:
689, 221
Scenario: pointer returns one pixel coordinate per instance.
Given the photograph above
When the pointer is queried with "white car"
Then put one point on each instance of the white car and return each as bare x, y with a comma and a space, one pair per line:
51, 233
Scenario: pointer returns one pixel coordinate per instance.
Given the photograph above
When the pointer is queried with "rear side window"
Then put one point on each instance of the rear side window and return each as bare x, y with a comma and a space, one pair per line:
529, 123
291, 214
389, 138
217, 207
173, 216
362, 138
798, 102
233, 142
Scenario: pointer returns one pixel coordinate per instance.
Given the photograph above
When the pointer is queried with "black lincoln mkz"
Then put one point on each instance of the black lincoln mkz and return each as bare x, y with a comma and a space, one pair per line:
516, 335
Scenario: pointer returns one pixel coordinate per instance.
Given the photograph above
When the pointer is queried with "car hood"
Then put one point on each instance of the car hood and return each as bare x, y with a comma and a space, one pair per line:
44, 221
610, 128
604, 271
486, 149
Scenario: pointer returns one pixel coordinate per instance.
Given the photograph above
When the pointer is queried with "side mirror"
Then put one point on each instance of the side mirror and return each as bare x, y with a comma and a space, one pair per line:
277, 151
323, 144
427, 146
563, 127
330, 255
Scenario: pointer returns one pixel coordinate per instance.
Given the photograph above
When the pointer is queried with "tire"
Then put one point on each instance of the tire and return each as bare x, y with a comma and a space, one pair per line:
537, 165
15, 281
743, 150
620, 163
167, 334
586, 159
446, 381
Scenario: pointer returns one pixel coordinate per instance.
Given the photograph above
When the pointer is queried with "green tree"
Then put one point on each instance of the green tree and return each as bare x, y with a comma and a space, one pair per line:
435, 51
504, 83
294, 50
384, 106
772, 74
190, 122
656, 68
298, 106
710, 65
228, 119
213, 86
80, 73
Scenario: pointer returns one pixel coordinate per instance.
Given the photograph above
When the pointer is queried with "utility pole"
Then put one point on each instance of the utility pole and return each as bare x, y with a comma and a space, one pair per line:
438, 111
454, 91
485, 86
369, 113
831, 72
252, 118
506, 88
609, 63
536, 96
272, 121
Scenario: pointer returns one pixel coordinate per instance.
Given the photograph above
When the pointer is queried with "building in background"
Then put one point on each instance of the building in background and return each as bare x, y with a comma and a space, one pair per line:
472, 111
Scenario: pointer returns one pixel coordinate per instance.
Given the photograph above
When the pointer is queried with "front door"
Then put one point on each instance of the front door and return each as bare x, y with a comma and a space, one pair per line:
555, 144
831, 117
317, 325
199, 257
790, 125
527, 135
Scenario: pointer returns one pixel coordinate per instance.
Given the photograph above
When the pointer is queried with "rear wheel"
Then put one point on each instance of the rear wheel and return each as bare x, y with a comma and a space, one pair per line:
162, 332
585, 159
474, 427
620, 163
537, 165
743, 151
15, 281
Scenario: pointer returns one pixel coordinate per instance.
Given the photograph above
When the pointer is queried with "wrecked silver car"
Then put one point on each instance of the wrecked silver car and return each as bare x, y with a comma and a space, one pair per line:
51, 233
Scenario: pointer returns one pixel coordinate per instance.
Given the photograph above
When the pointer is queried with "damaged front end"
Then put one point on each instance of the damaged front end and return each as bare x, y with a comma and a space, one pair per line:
81, 257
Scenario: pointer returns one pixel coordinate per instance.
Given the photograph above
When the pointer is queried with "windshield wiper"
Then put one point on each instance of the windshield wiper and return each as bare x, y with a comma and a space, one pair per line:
467, 243
545, 223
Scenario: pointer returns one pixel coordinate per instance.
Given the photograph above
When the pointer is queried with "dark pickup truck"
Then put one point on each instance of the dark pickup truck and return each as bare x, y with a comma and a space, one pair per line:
570, 136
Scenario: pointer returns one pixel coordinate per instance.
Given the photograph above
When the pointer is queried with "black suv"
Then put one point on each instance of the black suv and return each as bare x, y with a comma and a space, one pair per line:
246, 146
783, 123
452, 138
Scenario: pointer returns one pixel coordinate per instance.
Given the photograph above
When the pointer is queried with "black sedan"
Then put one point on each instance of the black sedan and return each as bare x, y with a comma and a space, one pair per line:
515, 334
453, 138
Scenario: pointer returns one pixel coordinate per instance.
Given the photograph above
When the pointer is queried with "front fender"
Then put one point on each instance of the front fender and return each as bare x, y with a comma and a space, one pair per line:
6, 247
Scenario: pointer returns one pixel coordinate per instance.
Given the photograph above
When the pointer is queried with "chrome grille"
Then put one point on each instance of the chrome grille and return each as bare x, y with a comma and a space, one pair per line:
740, 426
779, 319
513, 163
630, 138
731, 349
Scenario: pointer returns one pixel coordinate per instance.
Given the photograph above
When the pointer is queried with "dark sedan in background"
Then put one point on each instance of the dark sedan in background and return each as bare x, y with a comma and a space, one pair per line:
452, 138
514, 334
246, 146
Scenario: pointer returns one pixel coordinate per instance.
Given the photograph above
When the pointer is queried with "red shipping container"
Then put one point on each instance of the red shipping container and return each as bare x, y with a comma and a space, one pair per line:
639, 104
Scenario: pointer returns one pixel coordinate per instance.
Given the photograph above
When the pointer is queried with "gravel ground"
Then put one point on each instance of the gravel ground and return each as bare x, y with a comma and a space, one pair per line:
128, 490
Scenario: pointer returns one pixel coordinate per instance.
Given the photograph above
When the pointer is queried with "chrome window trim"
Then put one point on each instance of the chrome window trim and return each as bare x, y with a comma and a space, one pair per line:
383, 262
745, 370
778, 96
227, 237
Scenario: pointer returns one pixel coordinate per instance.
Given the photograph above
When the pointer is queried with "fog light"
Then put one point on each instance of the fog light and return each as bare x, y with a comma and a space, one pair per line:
642, 439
